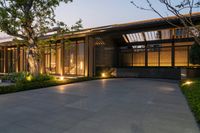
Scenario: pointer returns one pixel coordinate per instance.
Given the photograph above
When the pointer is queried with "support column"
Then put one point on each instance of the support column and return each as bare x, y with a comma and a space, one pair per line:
90, 60
42, 68
173, 53
76, 57
5, 59
62, 57
91, 57
159, 57
146, 55
18, 59
86, 63
146, 49
188, 58
132, 57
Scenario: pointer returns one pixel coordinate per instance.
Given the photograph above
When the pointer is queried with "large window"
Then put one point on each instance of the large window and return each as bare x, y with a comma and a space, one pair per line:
23, 60
80, 58
165, 56
153, 57
139, 58
74, 58
70, 59
181, 56
50, 59
127, 59
12, 59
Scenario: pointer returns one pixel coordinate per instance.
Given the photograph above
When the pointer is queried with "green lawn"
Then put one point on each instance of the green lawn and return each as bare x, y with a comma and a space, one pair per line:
191, 90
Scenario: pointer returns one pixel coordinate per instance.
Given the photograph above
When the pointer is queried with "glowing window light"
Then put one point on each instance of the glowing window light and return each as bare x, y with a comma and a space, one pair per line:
81, 65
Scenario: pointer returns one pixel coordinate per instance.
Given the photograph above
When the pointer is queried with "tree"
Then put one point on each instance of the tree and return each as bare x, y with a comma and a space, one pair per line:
195, 54
184, 11
28, 21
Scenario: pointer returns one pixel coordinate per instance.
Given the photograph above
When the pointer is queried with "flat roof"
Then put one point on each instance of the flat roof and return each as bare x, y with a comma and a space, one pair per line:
136, 25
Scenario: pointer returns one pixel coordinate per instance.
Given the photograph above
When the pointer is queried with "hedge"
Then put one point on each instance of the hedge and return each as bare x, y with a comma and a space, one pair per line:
39, 84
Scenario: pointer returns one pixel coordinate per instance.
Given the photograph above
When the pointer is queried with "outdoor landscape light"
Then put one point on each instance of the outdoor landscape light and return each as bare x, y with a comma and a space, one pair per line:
61, 78
103, 75
188, 82
29, 78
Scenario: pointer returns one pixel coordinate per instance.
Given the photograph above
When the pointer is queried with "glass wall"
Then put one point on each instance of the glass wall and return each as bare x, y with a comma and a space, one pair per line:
127, 59
139, 58
153, 57
70, 59
80, 58
23, 60
165, 56
74, 63
181, 56
159, 56
53, 59
47, 55
12, 59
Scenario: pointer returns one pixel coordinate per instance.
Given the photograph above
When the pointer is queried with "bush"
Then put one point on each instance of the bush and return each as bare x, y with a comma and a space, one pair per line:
15, 77
42, 77
37, 83
192, 93
195, 54
23, 77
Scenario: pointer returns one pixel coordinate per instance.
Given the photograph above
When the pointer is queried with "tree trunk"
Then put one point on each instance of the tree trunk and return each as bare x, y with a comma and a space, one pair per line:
33, 58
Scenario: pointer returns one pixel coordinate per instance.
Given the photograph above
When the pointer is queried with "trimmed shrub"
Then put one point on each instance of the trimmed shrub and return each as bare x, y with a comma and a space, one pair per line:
195, 54
39, 83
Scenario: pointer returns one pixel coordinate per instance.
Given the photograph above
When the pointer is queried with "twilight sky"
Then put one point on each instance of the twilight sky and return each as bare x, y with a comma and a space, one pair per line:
96, 13
101, 12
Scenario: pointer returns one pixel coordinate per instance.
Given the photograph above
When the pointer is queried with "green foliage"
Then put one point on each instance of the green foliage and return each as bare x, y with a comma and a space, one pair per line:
23, 77
195, 54
192, 93
18, 15
16, 77
23, 86
42, 77
29, 20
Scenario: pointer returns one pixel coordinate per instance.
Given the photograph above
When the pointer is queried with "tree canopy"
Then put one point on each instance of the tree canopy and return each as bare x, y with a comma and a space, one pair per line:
19, 18
28, 20
183, 10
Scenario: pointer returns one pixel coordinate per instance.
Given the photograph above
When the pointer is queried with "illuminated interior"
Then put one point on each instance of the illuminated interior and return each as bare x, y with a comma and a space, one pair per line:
118, 46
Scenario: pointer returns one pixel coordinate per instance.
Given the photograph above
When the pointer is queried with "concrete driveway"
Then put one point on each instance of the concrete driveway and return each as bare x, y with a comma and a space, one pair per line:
102, 106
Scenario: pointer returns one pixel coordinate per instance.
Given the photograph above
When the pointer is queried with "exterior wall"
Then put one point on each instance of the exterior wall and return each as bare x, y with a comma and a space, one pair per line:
86, 55
142, 72
162, 56
106, 55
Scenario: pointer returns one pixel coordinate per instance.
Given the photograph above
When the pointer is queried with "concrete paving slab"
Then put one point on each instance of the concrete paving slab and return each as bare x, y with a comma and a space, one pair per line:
101, 106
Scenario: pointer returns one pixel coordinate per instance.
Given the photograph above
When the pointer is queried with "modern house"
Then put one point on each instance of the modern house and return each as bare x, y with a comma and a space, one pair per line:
150, 48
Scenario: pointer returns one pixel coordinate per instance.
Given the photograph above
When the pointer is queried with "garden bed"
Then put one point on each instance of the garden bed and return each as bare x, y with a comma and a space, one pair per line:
191, 90
39, 84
